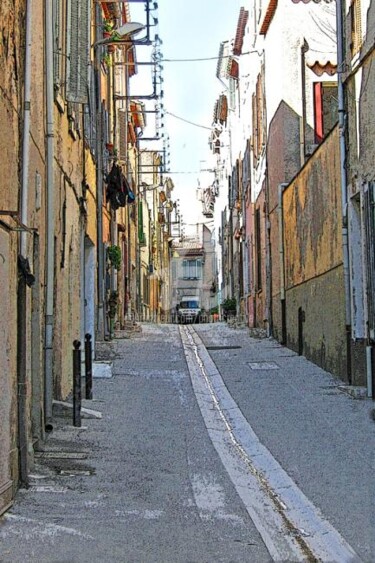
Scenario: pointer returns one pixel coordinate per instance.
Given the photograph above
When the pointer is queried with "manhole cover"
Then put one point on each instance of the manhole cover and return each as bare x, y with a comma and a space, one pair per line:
223, 347
263, 365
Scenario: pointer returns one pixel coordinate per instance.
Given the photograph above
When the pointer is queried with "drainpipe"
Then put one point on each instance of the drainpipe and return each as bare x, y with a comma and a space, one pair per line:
344, 188
50, 220
304, 49
268, 264
26, 129
282, 264
99, 184
21, 290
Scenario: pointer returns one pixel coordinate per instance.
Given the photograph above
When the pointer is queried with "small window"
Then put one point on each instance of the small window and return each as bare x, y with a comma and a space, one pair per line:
325, 109
192, 269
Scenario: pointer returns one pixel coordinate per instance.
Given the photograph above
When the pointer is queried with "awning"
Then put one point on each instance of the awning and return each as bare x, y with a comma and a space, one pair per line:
320, 68
233, 69
137, 112
131, 132
241, 25
270, 12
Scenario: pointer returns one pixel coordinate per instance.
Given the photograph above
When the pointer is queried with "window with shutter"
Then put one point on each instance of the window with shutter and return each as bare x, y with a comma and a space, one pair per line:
90, 113
56, 11
325, 109
78, 50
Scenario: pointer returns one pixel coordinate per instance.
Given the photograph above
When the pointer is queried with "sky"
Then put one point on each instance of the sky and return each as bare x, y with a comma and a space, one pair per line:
188, 29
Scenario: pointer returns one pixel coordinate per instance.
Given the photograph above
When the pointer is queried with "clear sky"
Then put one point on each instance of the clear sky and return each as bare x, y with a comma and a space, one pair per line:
188, 29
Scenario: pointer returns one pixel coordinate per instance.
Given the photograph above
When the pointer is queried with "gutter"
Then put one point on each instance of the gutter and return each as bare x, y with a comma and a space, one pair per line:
50, 220
343, 176
99, 186
282, 264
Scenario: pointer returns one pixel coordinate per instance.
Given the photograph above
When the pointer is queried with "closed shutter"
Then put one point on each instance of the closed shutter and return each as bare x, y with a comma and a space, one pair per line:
78, 50
369, 216
122, 121
56, 14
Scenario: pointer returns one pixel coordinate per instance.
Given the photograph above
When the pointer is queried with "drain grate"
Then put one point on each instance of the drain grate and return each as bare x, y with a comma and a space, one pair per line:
263, 365
223, 347
61, 455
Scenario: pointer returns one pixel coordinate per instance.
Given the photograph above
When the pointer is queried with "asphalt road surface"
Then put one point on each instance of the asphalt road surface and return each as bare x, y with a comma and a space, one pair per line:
212, 447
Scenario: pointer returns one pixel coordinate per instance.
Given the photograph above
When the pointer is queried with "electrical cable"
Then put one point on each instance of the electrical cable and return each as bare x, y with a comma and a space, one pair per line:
187, 121
259, 53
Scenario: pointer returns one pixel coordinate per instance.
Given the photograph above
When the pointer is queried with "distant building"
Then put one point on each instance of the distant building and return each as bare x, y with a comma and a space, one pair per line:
194, 269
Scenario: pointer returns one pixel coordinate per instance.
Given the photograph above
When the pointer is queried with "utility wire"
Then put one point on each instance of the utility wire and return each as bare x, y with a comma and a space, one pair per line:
259, 53
187, 121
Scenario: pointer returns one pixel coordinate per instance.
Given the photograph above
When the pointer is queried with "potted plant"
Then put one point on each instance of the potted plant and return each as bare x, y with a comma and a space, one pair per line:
106, 59
228, 307
108, 27
114, 256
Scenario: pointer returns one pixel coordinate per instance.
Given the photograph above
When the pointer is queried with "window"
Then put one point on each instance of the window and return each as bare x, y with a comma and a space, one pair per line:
192, 269
325, 109
78, 50
58, 45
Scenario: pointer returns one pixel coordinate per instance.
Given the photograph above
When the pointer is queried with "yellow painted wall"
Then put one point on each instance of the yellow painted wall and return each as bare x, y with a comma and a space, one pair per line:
312, 216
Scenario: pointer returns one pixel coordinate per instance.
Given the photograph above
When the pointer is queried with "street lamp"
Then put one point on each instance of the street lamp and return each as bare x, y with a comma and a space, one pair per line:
121, 34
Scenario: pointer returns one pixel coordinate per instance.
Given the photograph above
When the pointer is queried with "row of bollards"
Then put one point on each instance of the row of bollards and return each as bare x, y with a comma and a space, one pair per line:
77, 384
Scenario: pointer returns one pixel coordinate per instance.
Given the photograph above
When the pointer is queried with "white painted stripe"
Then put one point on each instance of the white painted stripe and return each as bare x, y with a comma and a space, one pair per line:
292, 528
45, 528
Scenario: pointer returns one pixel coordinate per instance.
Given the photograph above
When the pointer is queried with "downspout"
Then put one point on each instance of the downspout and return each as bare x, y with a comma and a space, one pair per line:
22, 425
304, 49
268, 261
99, 183
344, 188
282, 264
50, 219
114, 237
267, 218
26, 130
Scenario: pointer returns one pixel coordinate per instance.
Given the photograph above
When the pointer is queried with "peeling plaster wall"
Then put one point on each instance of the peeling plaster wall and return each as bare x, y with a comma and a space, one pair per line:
11, 82
313, 260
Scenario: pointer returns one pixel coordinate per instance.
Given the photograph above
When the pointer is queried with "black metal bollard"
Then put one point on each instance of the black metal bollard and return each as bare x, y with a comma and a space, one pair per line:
88, 366
77, 383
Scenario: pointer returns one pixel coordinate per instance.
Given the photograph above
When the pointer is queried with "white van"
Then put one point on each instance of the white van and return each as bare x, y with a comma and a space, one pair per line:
189, 309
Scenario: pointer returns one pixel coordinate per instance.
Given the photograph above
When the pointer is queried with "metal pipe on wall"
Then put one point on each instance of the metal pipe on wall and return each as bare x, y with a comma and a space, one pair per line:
99, 185
26, 129
343, 174
50, 218
282, 263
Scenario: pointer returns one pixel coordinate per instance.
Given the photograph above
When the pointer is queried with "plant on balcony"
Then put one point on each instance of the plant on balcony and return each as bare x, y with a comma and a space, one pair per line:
107, 27
107, 60
228, 307
112, 304
114, 256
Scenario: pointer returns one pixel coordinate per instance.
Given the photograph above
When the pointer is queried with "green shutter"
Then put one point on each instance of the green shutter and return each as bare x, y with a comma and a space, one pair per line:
78, 50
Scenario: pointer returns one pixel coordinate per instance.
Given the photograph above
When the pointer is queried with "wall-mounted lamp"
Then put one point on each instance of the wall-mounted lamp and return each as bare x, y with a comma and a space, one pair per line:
121, 34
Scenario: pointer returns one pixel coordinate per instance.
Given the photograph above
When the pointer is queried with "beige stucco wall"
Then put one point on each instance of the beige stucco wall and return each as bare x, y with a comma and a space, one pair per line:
313, 261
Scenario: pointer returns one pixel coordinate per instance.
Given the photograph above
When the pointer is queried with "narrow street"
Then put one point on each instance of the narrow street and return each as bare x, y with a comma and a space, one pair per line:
213, 446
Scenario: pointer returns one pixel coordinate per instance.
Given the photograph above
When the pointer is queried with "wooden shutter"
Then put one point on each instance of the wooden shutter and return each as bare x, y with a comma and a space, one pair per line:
78, 50
318, 112
57, 43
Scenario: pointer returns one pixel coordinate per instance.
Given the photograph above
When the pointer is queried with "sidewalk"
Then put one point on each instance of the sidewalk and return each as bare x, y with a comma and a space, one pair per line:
322, 436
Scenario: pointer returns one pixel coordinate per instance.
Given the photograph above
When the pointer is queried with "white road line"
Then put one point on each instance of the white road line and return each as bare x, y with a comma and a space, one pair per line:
292, 528
37, 527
